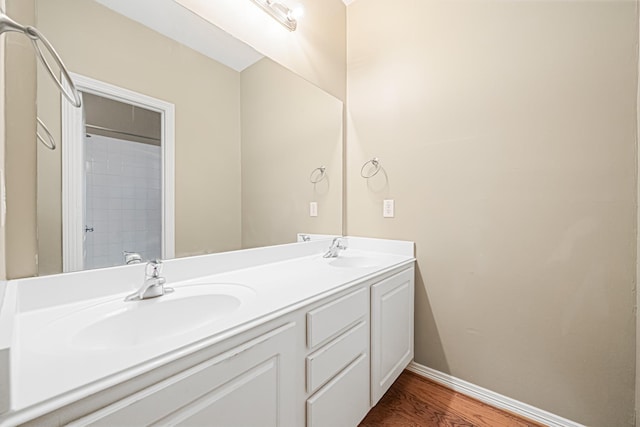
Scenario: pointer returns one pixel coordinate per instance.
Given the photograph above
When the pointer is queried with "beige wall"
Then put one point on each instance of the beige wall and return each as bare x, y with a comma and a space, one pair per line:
289, 128
315, 51
507, 131
108, 47
20, 147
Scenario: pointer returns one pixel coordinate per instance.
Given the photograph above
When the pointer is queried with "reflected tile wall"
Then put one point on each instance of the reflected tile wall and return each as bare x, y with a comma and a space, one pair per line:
123, 200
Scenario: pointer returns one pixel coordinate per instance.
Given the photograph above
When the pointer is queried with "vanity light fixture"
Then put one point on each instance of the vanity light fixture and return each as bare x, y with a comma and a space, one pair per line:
280, 12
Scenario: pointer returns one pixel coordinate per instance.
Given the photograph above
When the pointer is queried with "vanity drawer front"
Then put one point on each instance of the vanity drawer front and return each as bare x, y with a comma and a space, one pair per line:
333, 357
344, 401
329, 320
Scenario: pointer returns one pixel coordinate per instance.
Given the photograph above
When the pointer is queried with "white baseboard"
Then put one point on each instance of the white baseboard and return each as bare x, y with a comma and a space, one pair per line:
491, 398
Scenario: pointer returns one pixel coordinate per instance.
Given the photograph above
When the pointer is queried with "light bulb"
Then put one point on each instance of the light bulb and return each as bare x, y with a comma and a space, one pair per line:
297, 12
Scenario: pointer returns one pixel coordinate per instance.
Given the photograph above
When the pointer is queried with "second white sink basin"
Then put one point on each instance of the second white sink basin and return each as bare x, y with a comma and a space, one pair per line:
354, 262
120, 324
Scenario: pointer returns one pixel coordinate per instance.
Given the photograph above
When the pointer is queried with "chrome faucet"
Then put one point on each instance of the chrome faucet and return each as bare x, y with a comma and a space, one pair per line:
337, 245
153, 285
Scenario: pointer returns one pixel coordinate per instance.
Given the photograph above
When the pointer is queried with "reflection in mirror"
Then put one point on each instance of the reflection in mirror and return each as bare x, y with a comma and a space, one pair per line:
248, 133
122, 204
126, 189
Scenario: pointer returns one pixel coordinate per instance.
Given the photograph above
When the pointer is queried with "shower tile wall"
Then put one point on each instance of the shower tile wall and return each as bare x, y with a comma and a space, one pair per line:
123, 200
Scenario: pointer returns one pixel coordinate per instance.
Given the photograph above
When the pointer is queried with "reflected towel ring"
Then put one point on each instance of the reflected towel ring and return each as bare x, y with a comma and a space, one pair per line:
51, 143
72, 95
376, 164
35, 36
319, 173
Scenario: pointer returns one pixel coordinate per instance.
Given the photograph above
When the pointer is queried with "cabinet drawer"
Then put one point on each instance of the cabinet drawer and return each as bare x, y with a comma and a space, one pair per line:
344, 401
333, 357
329, 320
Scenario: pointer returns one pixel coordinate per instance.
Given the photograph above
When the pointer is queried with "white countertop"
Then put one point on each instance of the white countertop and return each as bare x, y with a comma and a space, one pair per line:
48, 370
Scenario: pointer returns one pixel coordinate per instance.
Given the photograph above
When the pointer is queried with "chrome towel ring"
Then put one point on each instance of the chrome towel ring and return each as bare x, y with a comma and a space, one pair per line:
50, 142
36, 36
317, 175
8, 24
375, 163
72, 95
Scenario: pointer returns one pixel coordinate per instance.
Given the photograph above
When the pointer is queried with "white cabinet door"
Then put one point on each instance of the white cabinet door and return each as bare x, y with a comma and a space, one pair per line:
391, 330
252, 384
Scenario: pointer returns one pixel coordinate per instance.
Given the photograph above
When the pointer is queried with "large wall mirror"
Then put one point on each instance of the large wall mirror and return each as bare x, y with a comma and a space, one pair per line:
189, 141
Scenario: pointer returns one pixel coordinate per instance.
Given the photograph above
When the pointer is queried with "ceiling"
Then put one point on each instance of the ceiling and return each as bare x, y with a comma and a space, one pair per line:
170, 19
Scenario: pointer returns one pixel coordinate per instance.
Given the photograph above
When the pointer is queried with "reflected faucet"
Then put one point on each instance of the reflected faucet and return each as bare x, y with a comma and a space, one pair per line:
153, 285
337, 245
131, 257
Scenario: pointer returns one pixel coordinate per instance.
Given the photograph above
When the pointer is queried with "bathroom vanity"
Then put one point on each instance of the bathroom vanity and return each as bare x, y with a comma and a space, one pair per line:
275, 336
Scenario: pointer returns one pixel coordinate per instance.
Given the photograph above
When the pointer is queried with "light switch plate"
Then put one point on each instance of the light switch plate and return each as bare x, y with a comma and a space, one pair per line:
388, 209
313, 209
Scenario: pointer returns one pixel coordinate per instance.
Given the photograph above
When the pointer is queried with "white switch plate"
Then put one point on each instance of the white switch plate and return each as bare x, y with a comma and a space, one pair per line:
313, 209
388, 209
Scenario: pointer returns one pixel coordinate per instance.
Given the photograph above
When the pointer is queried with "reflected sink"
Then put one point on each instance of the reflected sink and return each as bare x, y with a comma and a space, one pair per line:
118, 323
354, 262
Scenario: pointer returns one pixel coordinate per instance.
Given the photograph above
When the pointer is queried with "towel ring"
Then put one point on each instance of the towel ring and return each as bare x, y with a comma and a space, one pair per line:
51, 143
35, 36
376, 163
72, 95
317, 175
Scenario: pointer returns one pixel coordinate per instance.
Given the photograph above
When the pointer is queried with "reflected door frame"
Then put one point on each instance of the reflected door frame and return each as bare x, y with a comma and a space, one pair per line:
73, 191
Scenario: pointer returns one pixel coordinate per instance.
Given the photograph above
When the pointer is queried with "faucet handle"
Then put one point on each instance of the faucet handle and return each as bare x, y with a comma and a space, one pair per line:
154, 268
340, 243
345, 242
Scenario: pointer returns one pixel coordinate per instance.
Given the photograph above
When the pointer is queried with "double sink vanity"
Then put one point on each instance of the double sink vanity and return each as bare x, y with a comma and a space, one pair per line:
273, 336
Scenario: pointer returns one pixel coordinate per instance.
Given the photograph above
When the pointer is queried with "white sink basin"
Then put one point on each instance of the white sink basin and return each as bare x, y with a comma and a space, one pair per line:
353, 262
119, 323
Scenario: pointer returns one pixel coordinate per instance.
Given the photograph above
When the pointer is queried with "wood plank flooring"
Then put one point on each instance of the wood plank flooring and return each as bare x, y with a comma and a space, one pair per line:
414, 401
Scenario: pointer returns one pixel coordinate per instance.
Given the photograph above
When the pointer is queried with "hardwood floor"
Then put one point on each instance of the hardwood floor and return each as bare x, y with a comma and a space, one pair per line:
415, 401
